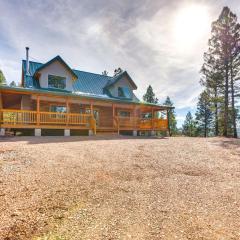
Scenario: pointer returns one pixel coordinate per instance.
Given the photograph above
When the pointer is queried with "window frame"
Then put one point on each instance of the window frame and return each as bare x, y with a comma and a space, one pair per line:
123, 90
61, 78
128, 115
57, 114
120, 90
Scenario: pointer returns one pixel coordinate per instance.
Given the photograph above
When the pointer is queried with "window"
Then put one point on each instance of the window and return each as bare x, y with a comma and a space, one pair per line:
56, 82
146, 115
124, 114
124, 92
60, 109
120, 92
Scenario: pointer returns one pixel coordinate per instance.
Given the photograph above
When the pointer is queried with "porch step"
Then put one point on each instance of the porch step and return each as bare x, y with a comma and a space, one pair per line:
108, 132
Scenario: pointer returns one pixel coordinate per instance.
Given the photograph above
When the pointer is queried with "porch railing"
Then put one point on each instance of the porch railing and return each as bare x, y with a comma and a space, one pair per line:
16, 118
20, 118
141, 123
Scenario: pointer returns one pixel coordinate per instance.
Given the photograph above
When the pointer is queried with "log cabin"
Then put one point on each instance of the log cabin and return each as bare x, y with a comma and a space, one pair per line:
53, 96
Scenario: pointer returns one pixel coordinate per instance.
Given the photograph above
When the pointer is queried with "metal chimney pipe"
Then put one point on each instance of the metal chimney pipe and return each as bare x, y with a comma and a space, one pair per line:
27, 61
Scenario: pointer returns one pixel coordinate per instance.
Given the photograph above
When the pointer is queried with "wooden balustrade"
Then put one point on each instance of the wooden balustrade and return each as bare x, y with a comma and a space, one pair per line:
141, 123
161, 124
17, 118
22, 118
128, 122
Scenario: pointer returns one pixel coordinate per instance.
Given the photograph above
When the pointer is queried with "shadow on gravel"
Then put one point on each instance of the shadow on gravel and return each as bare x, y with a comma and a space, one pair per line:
228, 143
61, 139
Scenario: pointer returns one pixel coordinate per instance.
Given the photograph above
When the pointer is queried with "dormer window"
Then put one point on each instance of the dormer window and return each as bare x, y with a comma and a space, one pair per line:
124, 92
56, 82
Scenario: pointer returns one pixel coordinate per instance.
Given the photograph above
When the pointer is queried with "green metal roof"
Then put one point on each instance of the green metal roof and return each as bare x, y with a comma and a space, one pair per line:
118, 77
86, 82
57, 58
88, 85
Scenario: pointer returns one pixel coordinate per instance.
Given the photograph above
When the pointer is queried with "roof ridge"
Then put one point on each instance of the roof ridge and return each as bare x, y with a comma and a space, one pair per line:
92, 73
24, 60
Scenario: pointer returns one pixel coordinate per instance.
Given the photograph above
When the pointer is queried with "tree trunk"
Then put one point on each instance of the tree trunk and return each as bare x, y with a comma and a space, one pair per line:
216, 112
205, 122
233, 104
225, 130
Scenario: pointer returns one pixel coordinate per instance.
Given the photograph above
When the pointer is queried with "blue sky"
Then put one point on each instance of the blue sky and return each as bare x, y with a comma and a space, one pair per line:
153, 40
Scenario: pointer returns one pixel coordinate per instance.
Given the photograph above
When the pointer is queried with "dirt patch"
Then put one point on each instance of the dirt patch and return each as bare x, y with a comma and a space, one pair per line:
119, 188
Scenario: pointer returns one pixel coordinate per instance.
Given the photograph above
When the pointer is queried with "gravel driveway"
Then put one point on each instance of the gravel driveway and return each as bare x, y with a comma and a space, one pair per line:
119, 188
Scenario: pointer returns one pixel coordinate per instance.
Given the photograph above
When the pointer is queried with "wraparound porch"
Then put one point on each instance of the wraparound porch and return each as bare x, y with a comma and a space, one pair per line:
10, 118
45, 111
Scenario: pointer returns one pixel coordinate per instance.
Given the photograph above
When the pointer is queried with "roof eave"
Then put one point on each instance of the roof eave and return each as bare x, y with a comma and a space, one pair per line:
118, 77
33, 90
57, 58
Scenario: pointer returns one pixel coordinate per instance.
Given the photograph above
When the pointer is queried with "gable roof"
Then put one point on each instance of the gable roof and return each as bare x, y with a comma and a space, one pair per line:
118, 77
59, 59
90, 82
86, 83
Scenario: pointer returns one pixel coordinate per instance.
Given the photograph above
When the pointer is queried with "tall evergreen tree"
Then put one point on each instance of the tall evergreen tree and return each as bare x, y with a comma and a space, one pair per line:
204, 114
189, 126
2, 78
149, 96
221, 68
212, 80
172, 116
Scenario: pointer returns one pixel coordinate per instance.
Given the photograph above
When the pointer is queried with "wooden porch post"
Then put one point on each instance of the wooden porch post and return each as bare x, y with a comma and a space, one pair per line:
91, 108
38, 110
113, 112
93, 121
135, 120
152, 117
67, 110
1, 107
168, 121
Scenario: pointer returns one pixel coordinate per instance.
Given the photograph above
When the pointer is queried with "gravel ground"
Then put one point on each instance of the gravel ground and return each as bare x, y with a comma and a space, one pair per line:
119, 188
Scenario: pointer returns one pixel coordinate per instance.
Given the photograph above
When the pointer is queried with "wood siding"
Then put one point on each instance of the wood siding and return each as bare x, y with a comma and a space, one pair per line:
109, 119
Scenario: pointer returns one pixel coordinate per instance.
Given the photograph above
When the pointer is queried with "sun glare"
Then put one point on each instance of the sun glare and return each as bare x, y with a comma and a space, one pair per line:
191, 23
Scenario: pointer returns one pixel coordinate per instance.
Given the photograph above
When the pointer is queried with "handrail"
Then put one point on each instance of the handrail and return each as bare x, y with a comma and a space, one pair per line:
13, 117
15, 110
20, 110
142, 123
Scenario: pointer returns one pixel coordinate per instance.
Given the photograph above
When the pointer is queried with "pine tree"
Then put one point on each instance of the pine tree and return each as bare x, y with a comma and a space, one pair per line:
172, 116
117, 71
204, 114
189, 126
212, 79
105, 73
221, 69
149, 96
12, 84
2, 78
